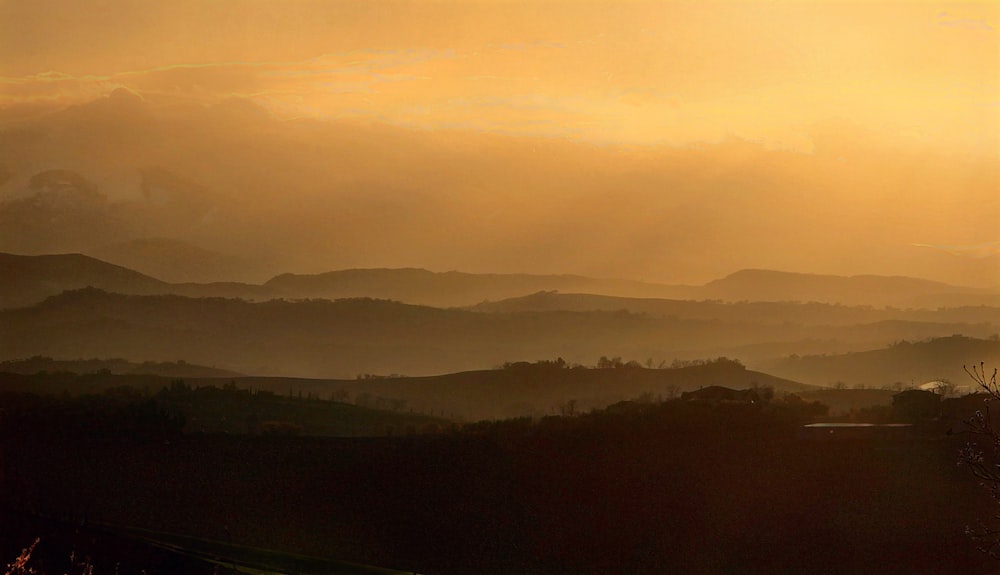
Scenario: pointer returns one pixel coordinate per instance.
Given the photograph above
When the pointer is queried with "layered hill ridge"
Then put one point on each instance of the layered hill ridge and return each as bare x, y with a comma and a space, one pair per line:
347, 337
30, 279
350, 322
448, 289
765, 312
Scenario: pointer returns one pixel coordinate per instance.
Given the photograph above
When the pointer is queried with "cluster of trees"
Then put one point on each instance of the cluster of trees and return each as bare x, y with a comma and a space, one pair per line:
719, 361
616, 362
370, 376
557, 363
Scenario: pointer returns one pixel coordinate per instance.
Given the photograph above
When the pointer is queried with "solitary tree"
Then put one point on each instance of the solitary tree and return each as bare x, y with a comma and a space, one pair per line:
981, 454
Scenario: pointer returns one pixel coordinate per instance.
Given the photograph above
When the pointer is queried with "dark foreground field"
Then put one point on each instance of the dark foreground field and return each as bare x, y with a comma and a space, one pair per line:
660, 488
74, 547
58, 545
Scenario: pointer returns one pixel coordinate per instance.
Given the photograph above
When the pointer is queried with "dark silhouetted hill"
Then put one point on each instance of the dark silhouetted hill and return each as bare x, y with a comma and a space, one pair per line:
675, 487
535, 389
70, 404
543, 388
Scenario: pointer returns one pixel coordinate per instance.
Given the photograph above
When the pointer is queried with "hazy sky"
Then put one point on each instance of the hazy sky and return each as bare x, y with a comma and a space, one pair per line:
920, 73
685, 140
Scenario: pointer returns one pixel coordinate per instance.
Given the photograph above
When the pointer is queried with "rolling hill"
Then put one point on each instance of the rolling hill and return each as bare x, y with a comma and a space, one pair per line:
766, 312
906, 363
347, 337
26, 280
769, 285
535, 389
523, 390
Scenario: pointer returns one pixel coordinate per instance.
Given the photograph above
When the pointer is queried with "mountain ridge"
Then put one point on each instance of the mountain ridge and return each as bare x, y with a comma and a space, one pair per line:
30, 279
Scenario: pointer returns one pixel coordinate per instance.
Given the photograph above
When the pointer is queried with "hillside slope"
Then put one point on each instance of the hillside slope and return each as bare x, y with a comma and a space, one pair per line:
535, 389
770, 285
907, 363
767, 312
25, 280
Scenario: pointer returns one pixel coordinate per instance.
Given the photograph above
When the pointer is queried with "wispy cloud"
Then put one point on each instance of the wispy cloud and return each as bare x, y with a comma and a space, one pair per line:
354, 71
525, 46
978, 251
946, 19
421, 87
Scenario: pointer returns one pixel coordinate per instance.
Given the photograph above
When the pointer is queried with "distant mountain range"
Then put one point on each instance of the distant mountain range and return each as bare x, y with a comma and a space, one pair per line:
30, 279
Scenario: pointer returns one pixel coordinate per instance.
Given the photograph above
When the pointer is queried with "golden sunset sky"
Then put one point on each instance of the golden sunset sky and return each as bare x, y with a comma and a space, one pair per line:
678, 140
922, 74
